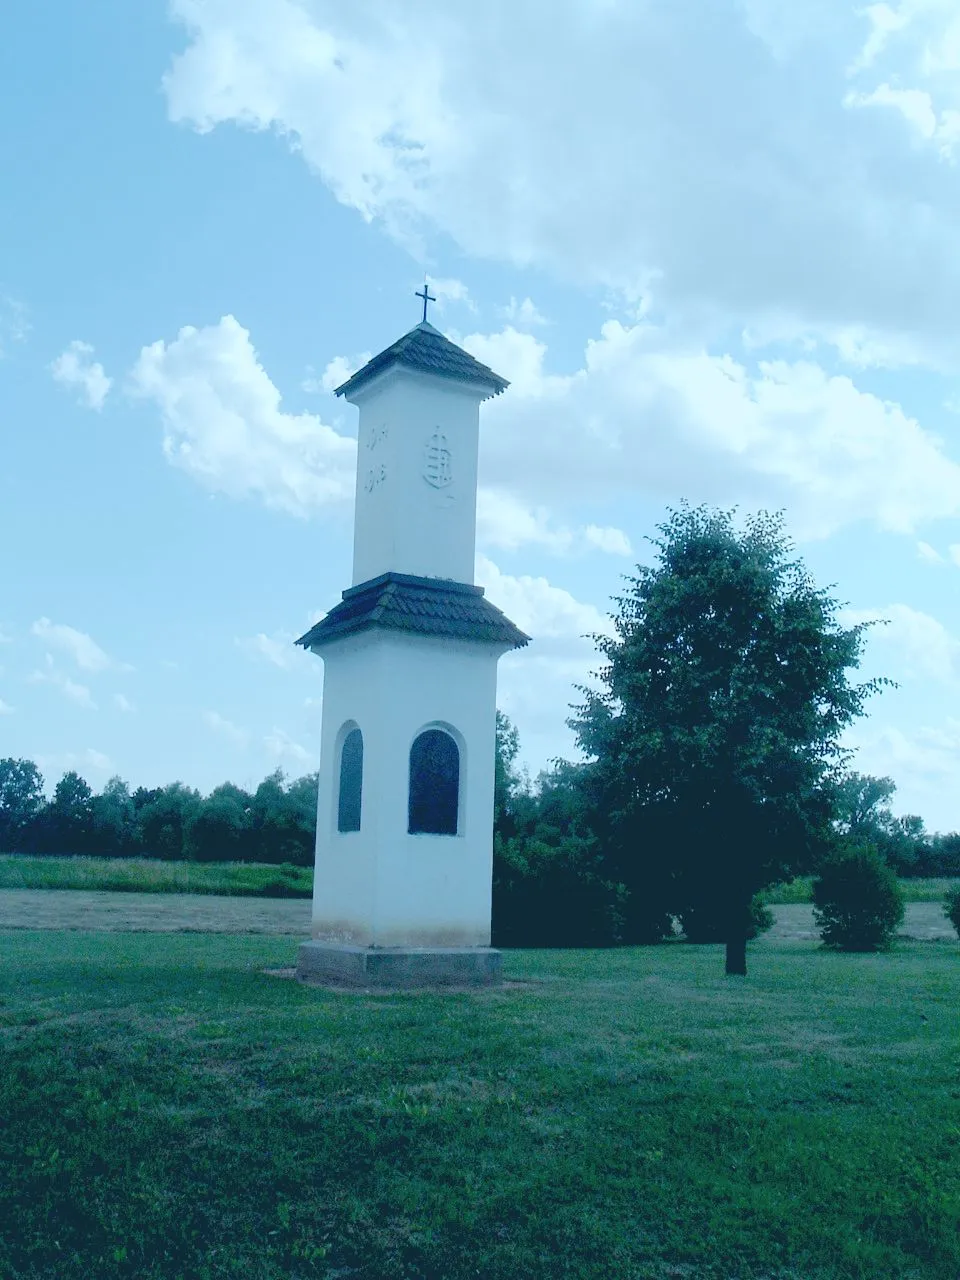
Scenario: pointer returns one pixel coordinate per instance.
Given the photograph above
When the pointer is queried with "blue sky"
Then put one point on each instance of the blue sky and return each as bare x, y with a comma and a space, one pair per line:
713, 246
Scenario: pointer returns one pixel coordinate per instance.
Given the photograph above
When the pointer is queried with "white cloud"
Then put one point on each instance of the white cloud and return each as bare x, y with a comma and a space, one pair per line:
449, 290
525, 314
336, 373
504, 521
916, 107
535, 684
929, 554
88, 760
4, 638
645, 414
78, 693
925, 763
920, 642
915, 51
122, 703
278, 649
74, 368
97, 760
14, 325
5, 708
539, 608
84, 650
282, 747
225, 728
224, 426
710, 164
613, 541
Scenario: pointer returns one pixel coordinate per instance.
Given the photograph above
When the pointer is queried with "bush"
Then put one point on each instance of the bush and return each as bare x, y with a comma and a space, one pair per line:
857, 901
286, 884
951, 907
548, 895
703, 921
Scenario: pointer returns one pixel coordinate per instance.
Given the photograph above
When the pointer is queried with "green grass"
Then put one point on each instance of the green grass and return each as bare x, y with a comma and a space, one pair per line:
913, 890
150, 875
171, 1111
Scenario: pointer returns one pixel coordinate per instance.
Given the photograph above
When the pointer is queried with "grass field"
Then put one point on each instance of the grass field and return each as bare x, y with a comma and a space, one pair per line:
150, 875
921, 889
170, 1110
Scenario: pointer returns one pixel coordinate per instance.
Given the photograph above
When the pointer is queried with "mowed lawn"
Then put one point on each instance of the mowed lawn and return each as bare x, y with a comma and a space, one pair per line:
169, 1109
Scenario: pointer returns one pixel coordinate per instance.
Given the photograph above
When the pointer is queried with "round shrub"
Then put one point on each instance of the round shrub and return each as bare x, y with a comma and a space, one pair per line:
857, 902
703, 921
951, 907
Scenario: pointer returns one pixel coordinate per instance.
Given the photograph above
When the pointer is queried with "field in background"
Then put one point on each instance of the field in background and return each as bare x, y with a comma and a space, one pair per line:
150, 875
170, 1109
239, 879
914, 890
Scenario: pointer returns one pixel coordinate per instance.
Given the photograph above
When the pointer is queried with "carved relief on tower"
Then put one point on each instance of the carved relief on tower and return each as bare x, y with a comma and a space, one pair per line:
375, 477
377, 437
437, 468
376, 470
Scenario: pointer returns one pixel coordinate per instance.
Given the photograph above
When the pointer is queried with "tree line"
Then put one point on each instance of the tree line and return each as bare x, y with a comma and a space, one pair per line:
273, 824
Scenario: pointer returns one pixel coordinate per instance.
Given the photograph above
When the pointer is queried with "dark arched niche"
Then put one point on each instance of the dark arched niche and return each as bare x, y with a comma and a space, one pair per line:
434, 784
351, 782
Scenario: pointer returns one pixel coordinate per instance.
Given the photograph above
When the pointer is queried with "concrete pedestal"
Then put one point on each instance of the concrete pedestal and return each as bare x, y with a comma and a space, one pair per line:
398, 967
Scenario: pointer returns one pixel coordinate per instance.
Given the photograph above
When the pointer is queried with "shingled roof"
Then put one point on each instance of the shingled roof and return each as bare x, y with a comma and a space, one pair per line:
425, 606
427, 350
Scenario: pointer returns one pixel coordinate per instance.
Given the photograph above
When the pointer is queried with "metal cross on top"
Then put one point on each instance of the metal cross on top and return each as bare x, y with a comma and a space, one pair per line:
427, 296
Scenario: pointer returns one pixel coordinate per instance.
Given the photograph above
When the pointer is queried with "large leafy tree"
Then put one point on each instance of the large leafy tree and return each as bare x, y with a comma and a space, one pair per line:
864, 817
284, 819
716, 730
511, 784
215, 831
21, 799
548, 882
163, 820
114, 819
65, 825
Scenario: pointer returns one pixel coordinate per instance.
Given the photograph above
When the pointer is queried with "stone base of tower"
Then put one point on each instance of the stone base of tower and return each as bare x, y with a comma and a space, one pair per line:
398, 968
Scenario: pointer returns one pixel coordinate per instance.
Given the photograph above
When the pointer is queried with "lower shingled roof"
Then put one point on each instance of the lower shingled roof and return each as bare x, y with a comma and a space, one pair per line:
424, 606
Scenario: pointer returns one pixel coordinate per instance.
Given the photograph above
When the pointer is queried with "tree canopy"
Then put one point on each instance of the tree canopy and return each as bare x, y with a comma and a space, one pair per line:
716, 728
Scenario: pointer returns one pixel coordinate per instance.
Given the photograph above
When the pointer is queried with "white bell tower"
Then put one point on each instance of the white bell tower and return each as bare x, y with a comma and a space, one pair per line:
402, 883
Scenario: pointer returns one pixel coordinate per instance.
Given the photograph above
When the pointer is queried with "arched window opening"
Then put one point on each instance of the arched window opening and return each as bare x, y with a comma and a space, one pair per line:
351, 782
434, 784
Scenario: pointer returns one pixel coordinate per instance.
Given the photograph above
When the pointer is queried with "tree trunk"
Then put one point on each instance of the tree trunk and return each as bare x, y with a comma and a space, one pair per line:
738, 926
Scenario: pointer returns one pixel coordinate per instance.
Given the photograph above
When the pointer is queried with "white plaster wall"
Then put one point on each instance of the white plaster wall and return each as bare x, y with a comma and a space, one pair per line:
381, 886
402, 522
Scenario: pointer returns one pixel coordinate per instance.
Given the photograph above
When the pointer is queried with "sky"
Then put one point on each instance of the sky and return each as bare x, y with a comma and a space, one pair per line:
713, 244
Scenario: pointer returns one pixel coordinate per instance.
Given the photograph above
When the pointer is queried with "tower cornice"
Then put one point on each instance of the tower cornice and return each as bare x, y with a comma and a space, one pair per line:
422, 606
426, 350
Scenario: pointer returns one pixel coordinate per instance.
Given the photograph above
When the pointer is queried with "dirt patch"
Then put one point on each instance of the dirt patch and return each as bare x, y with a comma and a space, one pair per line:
195, 913
923, 922
151, 912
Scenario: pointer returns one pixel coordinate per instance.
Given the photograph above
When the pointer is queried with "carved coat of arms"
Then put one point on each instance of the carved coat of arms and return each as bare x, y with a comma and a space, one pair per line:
436, 463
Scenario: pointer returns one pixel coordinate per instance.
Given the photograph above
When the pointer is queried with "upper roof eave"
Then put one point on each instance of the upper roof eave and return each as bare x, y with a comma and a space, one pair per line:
427, 351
